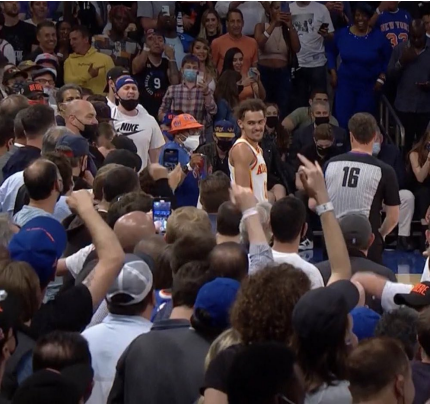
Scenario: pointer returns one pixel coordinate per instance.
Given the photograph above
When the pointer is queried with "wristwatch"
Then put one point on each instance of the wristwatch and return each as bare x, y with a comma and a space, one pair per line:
327, 207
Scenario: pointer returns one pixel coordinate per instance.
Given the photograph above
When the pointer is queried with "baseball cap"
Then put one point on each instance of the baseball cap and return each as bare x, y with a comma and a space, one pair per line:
224, 129
78, 145
125, 80
356, 230
68, 386
103, 111
124, 157
133, 284
322, 311
40, 243
216, 299
12, 73
184, 122
42, 71
31, 89
418, 297
41, 58
365, 321
28, 65
114, 73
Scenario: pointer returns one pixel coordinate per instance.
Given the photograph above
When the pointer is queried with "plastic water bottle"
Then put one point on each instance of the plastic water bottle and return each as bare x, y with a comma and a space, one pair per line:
180, 27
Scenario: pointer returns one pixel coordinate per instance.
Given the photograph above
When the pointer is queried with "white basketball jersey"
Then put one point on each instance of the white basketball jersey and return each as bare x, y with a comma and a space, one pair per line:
258, 172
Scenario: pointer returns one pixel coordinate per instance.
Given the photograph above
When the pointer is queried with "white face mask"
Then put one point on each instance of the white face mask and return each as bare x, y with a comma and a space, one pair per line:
191, 143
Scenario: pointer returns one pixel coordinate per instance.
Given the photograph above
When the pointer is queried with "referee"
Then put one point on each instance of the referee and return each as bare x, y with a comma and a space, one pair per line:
359, 182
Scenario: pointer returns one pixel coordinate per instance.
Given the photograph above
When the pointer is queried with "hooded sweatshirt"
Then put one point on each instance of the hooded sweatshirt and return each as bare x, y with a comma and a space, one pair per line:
76, 70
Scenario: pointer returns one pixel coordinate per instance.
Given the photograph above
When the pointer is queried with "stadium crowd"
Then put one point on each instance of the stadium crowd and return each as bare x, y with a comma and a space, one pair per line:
163, 166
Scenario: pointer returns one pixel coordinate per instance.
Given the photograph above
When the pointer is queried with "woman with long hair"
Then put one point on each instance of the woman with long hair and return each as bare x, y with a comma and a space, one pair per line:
226, 96
201, 49
211, 26
252, 86
419, 159
278, 44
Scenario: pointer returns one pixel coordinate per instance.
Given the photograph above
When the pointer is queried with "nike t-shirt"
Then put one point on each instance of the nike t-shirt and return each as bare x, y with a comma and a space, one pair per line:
142, 129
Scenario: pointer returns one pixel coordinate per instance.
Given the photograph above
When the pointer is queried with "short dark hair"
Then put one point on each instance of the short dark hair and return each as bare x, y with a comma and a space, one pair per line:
120, 181
17, 124
7, 129
188, 281
58, 350
373, 365
129, 310
288, 217
324, 132
40, 179
97, 98
44, 24
228, 219
196, 245
163, 273
13, 104
229, 260
189, 58
363, 127
214, 190
87, 92
400, 324
64, 168
37, 120
127, 203
315, 92
423, 326
249, 105
234, 10
261, 372
85, 32
60, 94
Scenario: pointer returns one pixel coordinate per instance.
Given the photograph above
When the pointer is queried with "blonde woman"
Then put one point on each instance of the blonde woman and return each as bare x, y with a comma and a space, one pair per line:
201, 49
211, 26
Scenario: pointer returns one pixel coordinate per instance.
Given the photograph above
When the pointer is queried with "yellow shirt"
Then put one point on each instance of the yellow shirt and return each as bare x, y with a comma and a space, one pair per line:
76, 70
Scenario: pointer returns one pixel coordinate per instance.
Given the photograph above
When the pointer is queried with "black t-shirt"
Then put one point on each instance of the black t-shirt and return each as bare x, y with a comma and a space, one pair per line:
70, 310
153, 82
222, 165
21, 36
361, 183
20, 159
217, 373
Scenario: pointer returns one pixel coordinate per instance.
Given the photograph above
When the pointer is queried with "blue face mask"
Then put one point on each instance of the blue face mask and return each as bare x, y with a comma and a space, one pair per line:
190, 75
376, 149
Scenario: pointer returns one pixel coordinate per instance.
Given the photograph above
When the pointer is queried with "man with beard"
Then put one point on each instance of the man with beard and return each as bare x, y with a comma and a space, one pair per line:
117, 43
246, 163
153, 73
19, 34
133, 121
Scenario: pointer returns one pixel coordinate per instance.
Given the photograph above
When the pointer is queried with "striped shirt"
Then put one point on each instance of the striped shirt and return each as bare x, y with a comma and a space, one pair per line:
361, 183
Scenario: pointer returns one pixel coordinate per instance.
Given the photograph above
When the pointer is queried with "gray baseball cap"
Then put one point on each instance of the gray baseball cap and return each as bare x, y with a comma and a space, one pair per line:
133, 284
356, 230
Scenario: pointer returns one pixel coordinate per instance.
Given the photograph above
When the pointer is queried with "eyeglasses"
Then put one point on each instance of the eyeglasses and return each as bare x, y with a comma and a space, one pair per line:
45, 82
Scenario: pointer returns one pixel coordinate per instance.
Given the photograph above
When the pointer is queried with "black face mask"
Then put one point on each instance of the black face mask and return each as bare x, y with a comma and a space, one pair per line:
224, 145
240, 88
323, 151
321, 120
90, 131
129, 104
272, 122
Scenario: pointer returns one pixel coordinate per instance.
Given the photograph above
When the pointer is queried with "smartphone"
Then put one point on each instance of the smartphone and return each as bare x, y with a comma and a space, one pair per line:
161, 211
252, 74
170, 158
165, 11
285, 7
200, 78
324, 26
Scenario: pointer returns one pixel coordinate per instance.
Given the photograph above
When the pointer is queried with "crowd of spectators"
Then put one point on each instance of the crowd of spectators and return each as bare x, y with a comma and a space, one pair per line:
164, 167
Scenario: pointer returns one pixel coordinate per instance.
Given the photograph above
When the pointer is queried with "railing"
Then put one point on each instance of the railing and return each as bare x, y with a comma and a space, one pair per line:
388, 118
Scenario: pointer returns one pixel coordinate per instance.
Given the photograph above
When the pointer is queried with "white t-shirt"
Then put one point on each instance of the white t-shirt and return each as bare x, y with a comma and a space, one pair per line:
142, 128
294, 260
390, 291
426, 272
307, 22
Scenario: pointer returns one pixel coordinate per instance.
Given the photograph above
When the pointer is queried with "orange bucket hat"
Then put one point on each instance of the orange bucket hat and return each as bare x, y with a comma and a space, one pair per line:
184, 122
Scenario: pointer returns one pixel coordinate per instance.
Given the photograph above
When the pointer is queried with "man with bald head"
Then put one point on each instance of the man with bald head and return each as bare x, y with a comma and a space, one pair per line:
410, 68
132, 228
229, 260
80, 117
44, 186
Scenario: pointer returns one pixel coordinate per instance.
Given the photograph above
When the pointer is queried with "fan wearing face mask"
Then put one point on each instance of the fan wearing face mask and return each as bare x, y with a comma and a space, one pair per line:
185, 131
320, 113
133, 121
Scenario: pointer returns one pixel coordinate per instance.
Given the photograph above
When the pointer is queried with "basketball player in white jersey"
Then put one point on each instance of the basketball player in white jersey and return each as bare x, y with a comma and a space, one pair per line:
246, 163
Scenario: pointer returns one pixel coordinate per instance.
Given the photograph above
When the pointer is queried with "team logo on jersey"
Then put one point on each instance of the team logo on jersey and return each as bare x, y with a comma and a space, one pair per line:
262, 169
